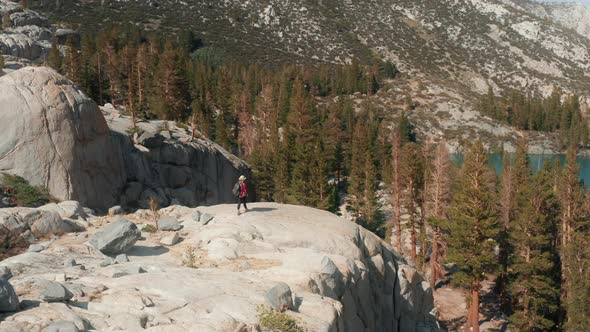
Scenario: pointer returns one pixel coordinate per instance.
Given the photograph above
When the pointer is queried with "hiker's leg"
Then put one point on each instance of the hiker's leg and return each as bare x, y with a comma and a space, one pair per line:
245, 203
239, 203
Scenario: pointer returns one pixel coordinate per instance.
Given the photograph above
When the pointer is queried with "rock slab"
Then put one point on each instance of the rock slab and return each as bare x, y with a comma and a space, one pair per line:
56, 292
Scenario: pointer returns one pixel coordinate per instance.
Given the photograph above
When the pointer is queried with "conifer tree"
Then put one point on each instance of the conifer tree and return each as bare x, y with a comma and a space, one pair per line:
357, 167
54, 58
282, 174
396, 152
573, 217
412, 170
438, 198
72, 61
169, 99
577, 302
370, 207
535, 294
473, 228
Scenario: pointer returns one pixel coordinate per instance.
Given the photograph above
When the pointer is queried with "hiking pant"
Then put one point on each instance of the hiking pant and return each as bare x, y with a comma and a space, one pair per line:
242, 200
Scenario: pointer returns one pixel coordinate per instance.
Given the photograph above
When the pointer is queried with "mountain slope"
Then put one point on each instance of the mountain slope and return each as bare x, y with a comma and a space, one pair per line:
477, 42
450, 51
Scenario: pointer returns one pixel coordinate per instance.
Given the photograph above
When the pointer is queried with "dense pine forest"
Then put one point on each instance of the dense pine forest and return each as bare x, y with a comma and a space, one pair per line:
529, 230
554, 113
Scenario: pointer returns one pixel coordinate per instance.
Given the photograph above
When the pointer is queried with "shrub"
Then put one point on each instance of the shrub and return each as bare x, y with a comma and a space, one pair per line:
25, 194
274, 321
190, 258
149, 229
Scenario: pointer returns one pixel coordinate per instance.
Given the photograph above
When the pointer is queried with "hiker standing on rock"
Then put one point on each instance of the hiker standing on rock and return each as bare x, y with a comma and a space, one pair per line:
241, 191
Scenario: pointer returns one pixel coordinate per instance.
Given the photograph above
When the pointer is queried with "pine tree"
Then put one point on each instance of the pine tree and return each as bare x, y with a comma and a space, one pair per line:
412, 171
357, 168
577, 302
473, 226
535, 294
282, 174
371, 214
438, 198
54, 58
72, 61
169, 99
396, 188
303, 135
573, 217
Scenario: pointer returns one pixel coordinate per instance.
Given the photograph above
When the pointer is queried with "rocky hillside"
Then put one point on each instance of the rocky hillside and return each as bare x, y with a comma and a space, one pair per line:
571, 15
208, 270
449, 51
473, 43
53, 135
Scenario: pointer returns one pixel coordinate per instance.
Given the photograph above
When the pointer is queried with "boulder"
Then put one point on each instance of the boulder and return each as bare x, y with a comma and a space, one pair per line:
19, 45
5, 273
279, 297
36, 248
122, 258
107, 261
72, 210
67, 209
61, 326
196, 216
56, 292
56, 136
8, 298
28, 17
45, 223
170, 240
70, 262
169, 224
205, 218
116, 238
116, 210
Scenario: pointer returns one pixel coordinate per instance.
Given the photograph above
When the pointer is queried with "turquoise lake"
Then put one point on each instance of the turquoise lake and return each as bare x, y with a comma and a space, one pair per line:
537, 161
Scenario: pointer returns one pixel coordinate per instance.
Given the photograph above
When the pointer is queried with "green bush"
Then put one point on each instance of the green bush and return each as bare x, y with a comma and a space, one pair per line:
23, 193
149, 229
274, 321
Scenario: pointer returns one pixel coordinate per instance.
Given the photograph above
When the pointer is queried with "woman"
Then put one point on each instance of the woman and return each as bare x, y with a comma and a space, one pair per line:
241, 191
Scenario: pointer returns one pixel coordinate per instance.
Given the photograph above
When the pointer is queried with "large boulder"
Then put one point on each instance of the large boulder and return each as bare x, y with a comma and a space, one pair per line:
53, 135
8, 298
116, 238
45, 223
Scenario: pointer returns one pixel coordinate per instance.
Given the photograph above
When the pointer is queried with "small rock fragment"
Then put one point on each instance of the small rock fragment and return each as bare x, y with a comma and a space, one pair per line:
107, 261
122, 258
36, 248
170, 240
116, 210
70, 262
5, 273
205, 218
169, 224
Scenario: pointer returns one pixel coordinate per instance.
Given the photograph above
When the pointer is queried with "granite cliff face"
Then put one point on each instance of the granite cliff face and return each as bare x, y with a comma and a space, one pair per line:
329, 274
53, 135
